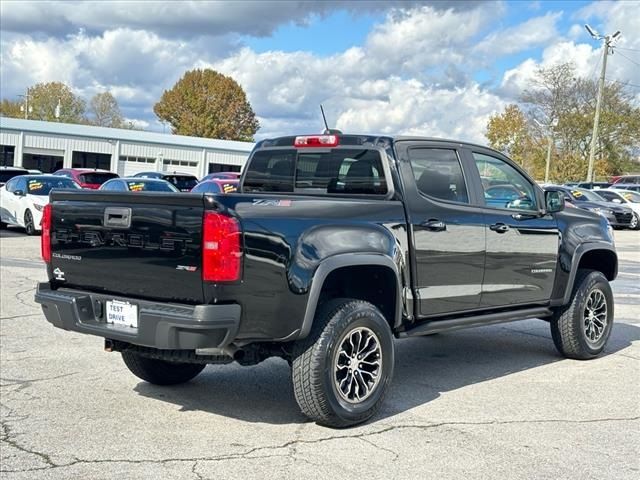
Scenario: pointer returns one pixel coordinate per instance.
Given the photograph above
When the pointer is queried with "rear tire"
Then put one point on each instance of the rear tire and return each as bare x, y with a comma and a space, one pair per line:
341, 371
29, 226
580, 330
160, 372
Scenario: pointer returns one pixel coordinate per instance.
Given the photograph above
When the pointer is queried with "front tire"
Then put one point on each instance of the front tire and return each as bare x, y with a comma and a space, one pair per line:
160, 372
29, 226
341, 371
635, 222
580, 330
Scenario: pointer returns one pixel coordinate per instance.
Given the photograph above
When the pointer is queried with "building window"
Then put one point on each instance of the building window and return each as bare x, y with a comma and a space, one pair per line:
6, 155
137, 159
179, 163
101, 161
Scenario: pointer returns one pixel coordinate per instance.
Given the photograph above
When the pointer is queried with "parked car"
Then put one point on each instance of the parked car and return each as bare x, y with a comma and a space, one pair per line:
216, 186
625, 179
627, 186
7, 173
135, 184
593, 185
333, 245
182, 181
628, 198
23, 198
221, 175
618, 216
87, 177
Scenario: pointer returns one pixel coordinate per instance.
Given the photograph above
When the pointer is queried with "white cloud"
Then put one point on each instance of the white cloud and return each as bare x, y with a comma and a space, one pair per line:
531, 33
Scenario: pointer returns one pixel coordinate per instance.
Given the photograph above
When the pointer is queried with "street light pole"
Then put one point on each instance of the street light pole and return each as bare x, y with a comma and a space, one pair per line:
607, 45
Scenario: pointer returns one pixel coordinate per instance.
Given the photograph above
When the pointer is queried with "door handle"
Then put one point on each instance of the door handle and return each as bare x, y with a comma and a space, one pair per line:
434, 225
499, 227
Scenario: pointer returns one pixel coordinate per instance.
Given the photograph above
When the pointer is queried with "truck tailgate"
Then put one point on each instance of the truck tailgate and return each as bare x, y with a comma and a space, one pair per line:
144, 245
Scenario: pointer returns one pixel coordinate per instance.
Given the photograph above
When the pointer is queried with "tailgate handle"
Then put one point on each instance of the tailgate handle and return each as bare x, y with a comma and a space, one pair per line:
119, 217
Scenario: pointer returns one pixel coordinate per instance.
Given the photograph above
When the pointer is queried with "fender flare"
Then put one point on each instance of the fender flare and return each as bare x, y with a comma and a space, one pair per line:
577, 256
347, 260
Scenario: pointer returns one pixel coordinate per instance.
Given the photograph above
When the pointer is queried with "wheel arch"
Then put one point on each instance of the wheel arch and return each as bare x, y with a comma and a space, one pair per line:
594, 256
332, 272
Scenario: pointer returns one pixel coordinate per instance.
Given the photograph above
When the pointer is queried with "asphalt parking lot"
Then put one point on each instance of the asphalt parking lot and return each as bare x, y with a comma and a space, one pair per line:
494, 402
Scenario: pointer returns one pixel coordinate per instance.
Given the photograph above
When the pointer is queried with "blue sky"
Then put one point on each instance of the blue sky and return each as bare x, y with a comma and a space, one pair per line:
402, 67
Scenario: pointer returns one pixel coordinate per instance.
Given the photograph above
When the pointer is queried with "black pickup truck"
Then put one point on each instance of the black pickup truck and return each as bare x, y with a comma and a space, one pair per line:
334, 245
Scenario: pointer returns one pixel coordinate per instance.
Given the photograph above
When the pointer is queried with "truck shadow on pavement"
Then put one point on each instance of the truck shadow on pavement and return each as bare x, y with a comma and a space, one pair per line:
425, 368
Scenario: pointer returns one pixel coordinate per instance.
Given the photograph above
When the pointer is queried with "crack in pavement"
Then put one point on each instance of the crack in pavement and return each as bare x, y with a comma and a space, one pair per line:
27, 382
21, 316
246, 455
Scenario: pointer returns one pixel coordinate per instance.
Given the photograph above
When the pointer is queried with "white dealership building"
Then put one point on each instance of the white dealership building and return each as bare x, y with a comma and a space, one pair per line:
49, 146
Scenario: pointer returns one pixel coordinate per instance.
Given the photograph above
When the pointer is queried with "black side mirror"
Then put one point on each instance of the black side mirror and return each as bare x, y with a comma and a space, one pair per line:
554, 201
18, 193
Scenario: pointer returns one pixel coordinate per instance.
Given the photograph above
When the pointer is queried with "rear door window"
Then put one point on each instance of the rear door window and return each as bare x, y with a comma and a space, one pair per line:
347, 171
438, 174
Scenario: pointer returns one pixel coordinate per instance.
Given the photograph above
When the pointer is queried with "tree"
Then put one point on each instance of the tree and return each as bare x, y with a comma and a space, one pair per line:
105, 111
9, 108
205, 103
45, 97
509, 132
556, 94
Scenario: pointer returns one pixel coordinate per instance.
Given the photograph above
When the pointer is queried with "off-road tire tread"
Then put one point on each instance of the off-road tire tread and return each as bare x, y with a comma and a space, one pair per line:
160, 372
308, 361
564, 330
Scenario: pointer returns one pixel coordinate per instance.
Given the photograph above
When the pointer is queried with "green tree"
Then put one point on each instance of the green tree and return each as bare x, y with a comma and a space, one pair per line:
105, 111
45, 98
205, 103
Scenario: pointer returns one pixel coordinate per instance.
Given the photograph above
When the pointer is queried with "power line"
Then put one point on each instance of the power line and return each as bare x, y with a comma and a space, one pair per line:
624, 83
631, 60
629, 49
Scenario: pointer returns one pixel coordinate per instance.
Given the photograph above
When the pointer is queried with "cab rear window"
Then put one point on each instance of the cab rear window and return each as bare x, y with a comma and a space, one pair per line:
343, 171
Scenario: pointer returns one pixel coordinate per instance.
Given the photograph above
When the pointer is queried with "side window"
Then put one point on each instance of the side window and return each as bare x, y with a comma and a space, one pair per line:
503, 185
11, 185
21, 184
438, 174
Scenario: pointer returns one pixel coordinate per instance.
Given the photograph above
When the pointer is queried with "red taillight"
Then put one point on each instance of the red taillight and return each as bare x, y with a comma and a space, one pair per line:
45, 239
316, 141
220, 248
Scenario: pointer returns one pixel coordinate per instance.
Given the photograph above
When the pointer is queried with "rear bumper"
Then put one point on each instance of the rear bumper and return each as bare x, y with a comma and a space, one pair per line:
160, 325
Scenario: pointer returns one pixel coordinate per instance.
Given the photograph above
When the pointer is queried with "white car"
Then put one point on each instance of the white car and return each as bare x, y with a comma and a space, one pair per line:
628, 198
23, 198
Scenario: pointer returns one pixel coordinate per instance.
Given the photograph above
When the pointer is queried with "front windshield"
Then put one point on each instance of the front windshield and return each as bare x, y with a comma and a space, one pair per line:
582, 195
42, 186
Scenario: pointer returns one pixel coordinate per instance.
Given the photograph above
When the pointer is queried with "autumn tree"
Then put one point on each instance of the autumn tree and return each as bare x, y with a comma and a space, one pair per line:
557, 96
105, 111
10, 108
205, 103
45, 98
510, 133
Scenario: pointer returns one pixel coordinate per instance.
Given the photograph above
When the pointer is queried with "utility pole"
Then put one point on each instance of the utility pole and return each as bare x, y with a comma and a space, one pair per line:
606, 46
25, 106
549, 128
